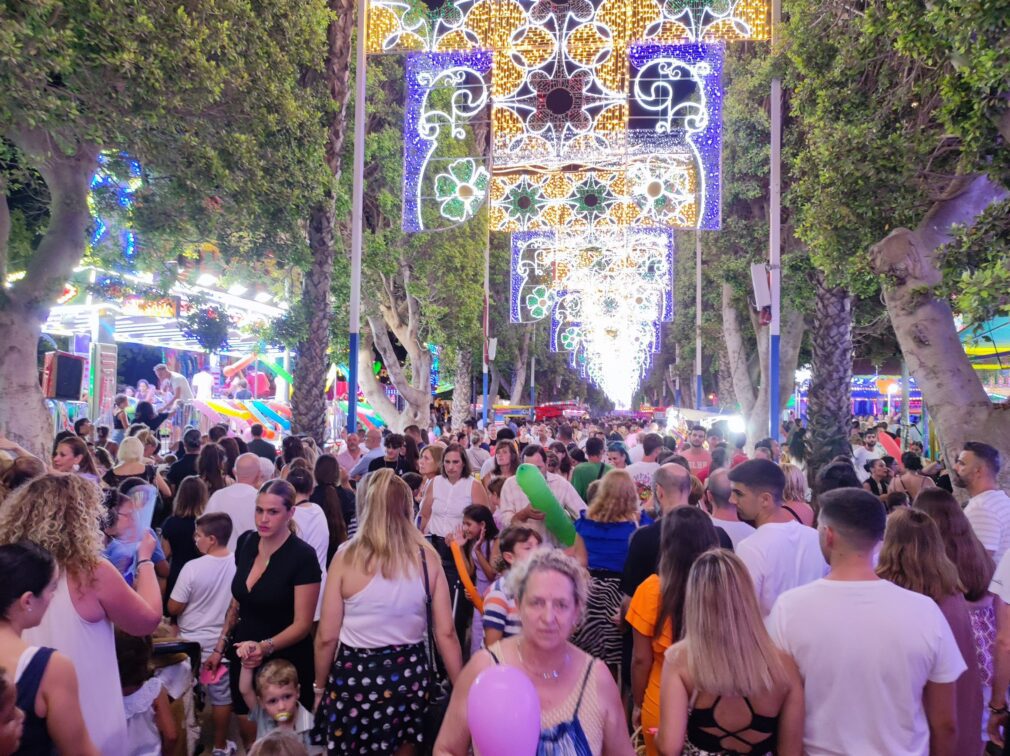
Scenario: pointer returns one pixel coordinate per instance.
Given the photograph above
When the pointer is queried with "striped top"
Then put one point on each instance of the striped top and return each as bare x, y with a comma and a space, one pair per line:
500, 610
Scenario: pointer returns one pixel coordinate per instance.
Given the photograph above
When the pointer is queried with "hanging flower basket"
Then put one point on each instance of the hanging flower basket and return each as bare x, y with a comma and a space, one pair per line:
208, 326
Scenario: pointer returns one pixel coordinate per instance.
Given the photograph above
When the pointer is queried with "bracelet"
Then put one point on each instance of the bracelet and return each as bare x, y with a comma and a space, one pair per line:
144, 561
998, 709
269, 643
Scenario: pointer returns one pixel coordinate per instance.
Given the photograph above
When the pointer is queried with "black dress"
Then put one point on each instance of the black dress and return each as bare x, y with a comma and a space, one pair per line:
179, 532
269, 607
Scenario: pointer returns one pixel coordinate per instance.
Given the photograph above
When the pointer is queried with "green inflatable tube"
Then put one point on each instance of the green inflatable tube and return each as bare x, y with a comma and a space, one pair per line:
532, 482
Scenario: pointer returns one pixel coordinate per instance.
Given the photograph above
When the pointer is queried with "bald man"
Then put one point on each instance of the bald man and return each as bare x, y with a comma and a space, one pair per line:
373, 442
671, 485
238, 500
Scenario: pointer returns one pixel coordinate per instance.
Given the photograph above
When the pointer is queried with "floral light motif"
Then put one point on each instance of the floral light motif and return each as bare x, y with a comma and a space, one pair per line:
461, 191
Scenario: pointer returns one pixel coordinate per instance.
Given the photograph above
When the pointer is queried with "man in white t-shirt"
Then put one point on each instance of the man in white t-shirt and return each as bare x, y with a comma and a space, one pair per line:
988, 509
878, 662
200, 600
782, 553
238, 500
865, 452
642, 472
718, 494
181, 391
515, 507
203, 382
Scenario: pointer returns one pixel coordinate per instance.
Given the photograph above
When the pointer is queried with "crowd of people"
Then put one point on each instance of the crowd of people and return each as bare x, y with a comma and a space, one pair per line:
347, 599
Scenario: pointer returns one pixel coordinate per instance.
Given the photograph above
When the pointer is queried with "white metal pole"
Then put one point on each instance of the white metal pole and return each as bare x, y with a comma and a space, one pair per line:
774, 236
357, 220
698, 402
487, 305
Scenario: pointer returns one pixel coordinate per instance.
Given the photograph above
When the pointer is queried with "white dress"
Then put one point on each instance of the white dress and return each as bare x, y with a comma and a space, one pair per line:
91, 646
143, 736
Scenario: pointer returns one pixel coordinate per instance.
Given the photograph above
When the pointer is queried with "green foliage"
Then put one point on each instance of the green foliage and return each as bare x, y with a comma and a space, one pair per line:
870, 144
967, 43
975, 266
206, 95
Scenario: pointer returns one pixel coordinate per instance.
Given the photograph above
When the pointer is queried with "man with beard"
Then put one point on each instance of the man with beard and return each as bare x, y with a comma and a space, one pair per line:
988, 509
696, 454
866, 452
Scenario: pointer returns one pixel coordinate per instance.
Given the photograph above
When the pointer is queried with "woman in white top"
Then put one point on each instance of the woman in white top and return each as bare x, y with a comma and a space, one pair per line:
429, 464
61, 513
375, 607
311, 521
442, 515
448, 495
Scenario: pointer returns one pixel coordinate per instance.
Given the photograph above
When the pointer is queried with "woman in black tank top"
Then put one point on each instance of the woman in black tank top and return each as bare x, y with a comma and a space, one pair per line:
726, 688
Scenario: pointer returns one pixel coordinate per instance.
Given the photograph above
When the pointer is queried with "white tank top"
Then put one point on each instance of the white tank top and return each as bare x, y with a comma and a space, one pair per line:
91, 646
448, 500
385, 613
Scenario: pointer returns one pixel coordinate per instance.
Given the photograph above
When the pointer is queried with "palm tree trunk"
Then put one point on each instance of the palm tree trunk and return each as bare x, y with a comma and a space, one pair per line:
308, 400
829, 406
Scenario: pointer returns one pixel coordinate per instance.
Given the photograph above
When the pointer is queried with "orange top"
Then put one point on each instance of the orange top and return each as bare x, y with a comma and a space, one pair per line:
643, 612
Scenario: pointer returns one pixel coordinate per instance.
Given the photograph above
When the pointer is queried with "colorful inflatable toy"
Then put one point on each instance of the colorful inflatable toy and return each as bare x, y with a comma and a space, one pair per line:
542, 499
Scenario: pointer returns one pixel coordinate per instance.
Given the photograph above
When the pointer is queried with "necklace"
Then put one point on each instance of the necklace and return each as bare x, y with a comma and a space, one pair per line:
553, 674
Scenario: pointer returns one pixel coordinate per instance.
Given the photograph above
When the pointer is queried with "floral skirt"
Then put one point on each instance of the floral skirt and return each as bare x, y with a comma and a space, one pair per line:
374, 701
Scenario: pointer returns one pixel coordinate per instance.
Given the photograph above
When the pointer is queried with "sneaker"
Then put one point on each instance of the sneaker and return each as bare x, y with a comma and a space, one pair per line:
230, 749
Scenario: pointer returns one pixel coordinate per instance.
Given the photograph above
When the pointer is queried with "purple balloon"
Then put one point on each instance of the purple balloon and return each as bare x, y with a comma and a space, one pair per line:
503, 713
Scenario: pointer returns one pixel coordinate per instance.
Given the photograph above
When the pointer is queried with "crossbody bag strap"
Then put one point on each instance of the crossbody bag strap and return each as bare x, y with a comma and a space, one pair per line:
428, 622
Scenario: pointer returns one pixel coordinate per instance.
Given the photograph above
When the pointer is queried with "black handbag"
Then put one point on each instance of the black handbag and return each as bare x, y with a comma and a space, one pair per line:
439, 689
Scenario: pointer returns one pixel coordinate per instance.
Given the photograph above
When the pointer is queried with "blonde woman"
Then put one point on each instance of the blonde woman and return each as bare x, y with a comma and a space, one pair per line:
580, 706
725, 687
794, 495
61, 513
604, 531
133, 465
374, 607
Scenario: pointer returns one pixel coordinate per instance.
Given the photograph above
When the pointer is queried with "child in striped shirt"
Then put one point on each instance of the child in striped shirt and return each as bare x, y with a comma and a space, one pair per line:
501, 615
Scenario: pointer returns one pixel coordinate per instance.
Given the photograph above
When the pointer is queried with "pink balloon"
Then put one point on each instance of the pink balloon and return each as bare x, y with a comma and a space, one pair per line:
503, 713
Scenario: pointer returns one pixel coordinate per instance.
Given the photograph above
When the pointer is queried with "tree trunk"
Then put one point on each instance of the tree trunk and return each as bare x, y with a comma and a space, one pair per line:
24, 416
829, 400
495, 384
461, 389
924, 323
308, 400
25, 306
736, 353
522, 360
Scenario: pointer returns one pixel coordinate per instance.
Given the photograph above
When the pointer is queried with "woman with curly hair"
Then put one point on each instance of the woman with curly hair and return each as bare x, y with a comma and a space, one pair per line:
61, 513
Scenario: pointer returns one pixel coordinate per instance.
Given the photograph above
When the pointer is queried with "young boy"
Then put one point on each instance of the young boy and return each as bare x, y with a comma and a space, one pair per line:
200, 601
273, 705
501, 615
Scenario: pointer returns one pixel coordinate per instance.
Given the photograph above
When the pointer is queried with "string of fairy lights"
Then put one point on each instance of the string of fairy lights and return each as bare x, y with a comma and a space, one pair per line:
590, 129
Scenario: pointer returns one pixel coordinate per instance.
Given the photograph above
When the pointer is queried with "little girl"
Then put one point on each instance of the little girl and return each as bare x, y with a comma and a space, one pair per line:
481, 552
150, 726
